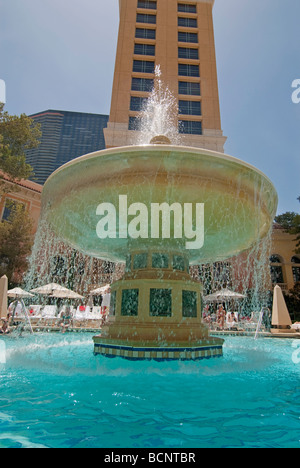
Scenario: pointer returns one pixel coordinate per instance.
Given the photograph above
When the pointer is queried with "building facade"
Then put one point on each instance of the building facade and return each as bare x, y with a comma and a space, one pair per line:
284, 262
179, 37
25, 192
65, 136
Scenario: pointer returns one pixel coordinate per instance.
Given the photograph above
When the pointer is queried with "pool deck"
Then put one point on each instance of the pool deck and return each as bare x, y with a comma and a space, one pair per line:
91, 328
293, 336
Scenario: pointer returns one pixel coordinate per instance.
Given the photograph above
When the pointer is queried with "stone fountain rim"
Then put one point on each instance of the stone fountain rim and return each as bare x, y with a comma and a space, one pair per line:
159, 148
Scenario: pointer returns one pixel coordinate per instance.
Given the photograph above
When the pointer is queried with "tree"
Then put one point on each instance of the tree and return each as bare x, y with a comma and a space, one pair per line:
292, 300
17, 133
15, 242
290, 221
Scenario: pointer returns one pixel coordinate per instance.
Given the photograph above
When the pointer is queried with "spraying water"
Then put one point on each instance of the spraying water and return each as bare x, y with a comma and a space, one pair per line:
160, 114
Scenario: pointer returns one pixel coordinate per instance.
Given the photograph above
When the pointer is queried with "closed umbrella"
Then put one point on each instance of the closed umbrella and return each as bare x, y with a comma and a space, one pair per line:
280, 315
3, 296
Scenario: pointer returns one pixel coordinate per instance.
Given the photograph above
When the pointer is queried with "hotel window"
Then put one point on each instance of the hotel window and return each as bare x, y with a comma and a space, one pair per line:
9, 207
160, 261
186, 69
190, 127
113, 303
276, 270
143, 33
160, 302
143, 66
178, 263
192, 89
296, 269
188, 22
187, 37
134, 124
189, 304
142, 84
130, 302
147, 4
140, 261
190, 107
187, 53
128, 263
137, 103
144, 18
144, 49
185, 8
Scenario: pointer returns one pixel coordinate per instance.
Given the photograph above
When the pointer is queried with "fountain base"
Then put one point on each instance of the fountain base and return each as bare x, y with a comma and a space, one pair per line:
205, 350
156, 312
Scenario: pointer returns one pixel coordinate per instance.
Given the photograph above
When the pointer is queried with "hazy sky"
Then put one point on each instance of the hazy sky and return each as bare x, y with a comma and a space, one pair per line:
59, 54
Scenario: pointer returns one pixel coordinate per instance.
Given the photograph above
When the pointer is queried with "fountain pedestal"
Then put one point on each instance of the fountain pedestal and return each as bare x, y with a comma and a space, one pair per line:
156, 312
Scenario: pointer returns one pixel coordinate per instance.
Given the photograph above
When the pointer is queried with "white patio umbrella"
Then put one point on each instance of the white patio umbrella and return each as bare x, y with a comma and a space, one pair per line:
99, 291
223, 295
17, 293
66, 294
49, 289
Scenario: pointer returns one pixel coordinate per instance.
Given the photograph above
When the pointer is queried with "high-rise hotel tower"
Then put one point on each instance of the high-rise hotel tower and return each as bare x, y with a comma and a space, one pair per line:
177, 35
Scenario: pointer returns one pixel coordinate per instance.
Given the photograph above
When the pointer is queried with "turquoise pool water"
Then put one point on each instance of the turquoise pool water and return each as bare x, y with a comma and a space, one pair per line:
55, 393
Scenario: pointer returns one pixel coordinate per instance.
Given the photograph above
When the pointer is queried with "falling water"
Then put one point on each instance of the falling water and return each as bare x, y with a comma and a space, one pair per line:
248, 273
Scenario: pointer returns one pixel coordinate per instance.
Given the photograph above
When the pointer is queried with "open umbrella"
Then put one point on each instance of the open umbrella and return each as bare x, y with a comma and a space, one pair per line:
100, 291
17, 293
49, 289
223, 295
66, 294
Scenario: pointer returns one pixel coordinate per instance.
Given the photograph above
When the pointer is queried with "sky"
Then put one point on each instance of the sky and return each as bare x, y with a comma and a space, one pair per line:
60, 55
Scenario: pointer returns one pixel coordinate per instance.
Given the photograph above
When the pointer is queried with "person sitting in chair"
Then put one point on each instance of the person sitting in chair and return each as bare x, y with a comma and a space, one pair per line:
66, 319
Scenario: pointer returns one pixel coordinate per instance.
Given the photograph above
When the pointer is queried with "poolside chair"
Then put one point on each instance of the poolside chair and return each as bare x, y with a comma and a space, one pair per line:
80, 316
48, 316
35, 313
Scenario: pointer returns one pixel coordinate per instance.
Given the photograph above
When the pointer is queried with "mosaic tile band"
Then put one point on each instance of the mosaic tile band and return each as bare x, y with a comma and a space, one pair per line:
158, 354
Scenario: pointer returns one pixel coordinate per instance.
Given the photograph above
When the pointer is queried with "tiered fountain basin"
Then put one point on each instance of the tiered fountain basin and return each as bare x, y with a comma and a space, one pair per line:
156, 307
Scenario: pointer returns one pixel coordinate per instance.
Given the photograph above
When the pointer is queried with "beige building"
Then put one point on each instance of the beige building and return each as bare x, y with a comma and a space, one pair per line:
179, 37
285, 263
26, 192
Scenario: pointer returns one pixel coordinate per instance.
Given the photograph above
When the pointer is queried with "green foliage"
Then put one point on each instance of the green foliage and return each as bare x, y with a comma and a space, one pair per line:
15, 241
290, 221
17, 133
292, 300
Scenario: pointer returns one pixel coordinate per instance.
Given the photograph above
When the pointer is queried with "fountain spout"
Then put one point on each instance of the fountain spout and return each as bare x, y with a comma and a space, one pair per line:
160, 140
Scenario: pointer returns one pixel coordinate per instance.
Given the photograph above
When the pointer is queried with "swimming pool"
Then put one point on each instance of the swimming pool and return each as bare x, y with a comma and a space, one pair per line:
55, 393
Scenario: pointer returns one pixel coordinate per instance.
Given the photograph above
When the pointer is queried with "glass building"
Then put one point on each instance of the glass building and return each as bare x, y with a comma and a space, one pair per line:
65, 136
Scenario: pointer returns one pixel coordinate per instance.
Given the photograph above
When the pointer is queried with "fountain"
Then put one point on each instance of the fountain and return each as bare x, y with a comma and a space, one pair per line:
159, 208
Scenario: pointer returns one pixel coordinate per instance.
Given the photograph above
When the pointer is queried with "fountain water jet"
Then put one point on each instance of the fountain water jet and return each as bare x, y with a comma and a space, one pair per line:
156, 307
